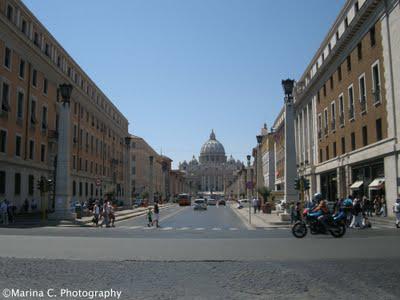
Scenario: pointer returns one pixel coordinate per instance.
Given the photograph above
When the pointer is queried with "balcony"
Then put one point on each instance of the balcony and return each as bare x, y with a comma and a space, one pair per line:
341, 119
363, 104
377, 94
351, 113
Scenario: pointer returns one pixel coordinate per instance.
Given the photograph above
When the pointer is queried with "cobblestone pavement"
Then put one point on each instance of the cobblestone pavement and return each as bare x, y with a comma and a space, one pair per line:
343, 279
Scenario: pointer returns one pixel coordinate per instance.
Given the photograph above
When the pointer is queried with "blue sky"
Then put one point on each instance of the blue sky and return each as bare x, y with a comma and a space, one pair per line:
179, 68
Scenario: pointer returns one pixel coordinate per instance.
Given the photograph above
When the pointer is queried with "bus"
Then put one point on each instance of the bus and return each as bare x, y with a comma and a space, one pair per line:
184, 200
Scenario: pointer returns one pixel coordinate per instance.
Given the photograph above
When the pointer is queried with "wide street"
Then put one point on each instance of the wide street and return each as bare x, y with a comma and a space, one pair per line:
203, 255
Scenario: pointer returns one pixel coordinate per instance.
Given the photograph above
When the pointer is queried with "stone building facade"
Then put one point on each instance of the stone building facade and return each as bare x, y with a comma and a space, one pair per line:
32, 66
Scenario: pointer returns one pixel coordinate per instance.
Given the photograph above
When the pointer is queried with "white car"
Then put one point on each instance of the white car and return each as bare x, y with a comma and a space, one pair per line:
200, 204
280, 205
242, 203
212, 202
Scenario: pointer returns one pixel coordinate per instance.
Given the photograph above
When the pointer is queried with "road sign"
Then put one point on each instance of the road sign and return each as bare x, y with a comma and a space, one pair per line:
98, 182
249, 185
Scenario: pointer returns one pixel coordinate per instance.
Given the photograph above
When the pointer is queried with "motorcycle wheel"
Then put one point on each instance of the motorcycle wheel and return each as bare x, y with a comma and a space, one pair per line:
338, 231
299, 230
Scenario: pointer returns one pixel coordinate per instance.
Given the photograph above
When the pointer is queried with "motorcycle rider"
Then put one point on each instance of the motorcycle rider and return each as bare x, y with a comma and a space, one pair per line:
322, 208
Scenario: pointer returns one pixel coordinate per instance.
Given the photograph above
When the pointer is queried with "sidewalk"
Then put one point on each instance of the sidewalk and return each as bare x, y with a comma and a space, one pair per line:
259, 220
84, 221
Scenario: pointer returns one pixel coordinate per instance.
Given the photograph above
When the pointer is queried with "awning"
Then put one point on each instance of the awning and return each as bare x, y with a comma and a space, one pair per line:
356, 185
377, 184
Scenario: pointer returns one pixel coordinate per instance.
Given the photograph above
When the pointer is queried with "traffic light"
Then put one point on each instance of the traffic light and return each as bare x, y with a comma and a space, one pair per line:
50, 184
306, 184
297, 184
40, 185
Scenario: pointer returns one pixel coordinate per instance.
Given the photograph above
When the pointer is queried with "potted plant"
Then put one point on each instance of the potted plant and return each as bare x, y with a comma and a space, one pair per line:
264, 192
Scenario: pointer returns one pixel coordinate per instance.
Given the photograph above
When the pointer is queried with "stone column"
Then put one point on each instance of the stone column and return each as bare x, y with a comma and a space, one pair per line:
62, 206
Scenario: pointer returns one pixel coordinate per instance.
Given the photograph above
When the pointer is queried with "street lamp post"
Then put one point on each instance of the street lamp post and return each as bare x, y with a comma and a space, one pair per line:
249, 185
290, 151
62, 203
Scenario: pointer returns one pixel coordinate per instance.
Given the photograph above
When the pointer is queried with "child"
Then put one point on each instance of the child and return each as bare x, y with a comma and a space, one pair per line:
149, 218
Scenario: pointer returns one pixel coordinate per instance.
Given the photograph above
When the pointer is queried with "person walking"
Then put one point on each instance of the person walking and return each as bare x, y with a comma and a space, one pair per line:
292, 213
254, 204
396, 210
4, 212
357, 214
112, 215
96, 213
106, 215
149, 218
156, 215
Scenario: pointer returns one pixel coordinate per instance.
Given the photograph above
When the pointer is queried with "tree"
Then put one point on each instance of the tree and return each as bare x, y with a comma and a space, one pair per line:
264, 192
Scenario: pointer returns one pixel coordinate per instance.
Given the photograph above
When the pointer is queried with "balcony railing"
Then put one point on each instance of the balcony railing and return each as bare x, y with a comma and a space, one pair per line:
351, 112
377, 94
363, 103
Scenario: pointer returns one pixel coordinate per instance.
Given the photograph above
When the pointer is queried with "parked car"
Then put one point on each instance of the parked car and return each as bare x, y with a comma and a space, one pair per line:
200, 204
138, 203
280, 205
212, 202
222, 202
242, 203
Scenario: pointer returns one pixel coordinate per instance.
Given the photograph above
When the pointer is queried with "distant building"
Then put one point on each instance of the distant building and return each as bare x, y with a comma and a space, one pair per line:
213, 171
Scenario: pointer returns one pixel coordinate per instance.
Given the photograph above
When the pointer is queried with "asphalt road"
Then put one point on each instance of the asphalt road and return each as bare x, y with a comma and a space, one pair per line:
201, 255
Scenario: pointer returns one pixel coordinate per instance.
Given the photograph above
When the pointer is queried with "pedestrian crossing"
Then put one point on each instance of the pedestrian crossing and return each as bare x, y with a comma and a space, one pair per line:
188, 228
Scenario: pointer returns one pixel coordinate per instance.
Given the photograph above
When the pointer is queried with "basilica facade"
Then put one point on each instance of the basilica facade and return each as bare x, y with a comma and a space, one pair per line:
212, 172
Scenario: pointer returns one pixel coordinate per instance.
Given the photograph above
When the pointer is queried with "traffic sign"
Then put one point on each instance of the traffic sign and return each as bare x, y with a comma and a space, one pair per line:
249, 185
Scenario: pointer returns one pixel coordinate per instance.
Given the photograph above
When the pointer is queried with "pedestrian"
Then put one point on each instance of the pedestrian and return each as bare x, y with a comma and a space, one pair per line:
357, 214
96, 213
4, 212
33, 205
26, 205
106, 215
10, 212
292, 213
254, 203
156, 215
383, 207
112, 215
396, 210
298, 211
259, 205
149, 218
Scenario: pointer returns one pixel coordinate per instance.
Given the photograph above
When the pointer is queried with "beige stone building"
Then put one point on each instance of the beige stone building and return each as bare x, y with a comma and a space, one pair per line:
32, 66
347, 105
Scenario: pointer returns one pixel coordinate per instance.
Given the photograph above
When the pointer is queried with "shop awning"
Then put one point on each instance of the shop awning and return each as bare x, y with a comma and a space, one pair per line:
376, 184
356, 185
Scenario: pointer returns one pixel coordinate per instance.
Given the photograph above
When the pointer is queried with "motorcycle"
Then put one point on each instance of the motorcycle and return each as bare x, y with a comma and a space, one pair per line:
334, 224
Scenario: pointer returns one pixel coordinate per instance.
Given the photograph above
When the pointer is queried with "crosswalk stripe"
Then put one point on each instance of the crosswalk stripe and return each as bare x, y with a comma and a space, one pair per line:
166, 228
217, 228
183, 228
199, 228
233, 228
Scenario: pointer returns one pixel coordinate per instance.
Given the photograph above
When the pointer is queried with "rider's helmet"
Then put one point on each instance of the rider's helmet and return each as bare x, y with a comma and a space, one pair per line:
317, 197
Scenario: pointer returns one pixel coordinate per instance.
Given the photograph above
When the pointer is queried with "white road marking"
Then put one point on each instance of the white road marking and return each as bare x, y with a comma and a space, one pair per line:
233, 228
183, 228
166, 228
217, 228
199, 228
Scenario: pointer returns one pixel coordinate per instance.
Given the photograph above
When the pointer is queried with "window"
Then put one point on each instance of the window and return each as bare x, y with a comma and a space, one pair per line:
333, 116
346, 22
45, 86
353, 141
21, 72
86, 189
44, 118
2, 182
24, 27
10, 13
59, 61
47, 49
31, 182
42, 153
327, 152
363, 99
334, 149
320, 156
5, 97
351, 102
74, 162
17, 184
36, 39
318, 97
18, 146
331, 82
33, 112
80, 188
372, 37
348, 60
378, 125
91, 189
7, 58
359, 51
326, 121
74, 188
324, 89
339, 71
356, 6
20, 105
34, 77
3, 141
365, 136
376, 83
341, 109
319, 126
31, 149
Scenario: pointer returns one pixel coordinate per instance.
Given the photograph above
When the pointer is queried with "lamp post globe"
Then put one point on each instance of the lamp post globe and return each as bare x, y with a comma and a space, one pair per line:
65, 91
288, 85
